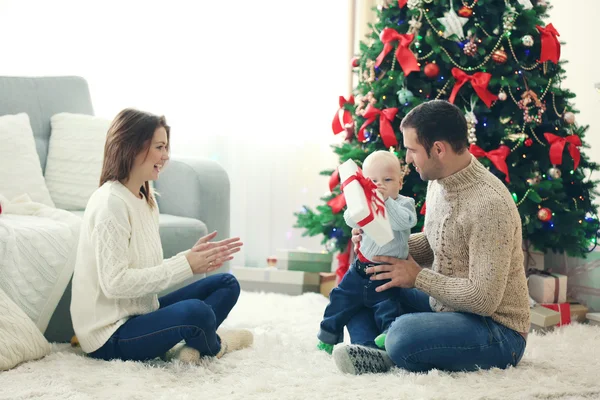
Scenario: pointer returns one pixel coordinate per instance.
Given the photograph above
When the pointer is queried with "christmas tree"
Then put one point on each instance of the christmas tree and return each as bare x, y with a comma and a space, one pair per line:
499, 60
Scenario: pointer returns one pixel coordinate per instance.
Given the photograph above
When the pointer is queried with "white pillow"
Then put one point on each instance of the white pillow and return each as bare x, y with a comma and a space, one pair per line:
75, 158
20, 339
20, 169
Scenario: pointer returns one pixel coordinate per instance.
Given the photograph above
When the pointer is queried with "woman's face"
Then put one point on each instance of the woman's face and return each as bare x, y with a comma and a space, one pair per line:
148, 164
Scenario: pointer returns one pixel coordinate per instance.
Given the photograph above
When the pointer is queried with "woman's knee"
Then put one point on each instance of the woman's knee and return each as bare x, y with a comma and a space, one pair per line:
197, 313
233, 284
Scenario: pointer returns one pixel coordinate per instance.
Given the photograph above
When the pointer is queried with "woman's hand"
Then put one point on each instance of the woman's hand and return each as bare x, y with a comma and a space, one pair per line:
208, 256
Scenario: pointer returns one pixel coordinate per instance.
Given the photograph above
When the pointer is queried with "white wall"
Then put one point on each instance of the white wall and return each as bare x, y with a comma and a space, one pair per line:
577, 22
251, 84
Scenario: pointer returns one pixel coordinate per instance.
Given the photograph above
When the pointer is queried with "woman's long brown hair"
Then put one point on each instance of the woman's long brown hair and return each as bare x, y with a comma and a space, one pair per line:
130, 133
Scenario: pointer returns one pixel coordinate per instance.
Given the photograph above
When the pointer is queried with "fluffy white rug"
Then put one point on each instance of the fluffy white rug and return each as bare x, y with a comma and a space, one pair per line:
284, 364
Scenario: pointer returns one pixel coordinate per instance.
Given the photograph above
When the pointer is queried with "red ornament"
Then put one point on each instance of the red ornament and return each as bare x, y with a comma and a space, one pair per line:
431, 70
500, 56
544, 214
465, 12
528, 142
355, 62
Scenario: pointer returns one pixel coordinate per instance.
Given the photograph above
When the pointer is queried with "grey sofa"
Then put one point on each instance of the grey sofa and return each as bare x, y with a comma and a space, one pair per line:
194, 192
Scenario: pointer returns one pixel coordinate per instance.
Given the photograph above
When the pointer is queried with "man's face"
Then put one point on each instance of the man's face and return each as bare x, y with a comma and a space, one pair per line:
429, 166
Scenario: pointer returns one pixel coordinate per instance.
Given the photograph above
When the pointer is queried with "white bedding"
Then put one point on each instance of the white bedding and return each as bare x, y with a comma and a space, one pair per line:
38, 244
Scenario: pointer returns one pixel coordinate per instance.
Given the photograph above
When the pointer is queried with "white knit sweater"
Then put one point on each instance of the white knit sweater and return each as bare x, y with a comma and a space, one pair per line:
120, 267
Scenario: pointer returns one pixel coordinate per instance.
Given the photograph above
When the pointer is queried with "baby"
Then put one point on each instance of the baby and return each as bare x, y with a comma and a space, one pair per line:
356, 291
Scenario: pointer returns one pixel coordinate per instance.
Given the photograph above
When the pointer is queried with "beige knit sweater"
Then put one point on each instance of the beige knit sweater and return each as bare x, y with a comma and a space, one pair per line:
472, 240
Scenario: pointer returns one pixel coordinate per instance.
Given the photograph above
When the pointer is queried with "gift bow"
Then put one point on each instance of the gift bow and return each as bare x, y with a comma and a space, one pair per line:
497, 157
346, 117
385, 125
557, 145
550, 44
373, 199
479, 81
405, 57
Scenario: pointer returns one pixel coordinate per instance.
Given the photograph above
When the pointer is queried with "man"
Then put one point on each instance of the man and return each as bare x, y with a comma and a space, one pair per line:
470, 309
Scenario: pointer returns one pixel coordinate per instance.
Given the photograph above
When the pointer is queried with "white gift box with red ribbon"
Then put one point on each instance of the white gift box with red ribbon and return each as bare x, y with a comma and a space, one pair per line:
366, 206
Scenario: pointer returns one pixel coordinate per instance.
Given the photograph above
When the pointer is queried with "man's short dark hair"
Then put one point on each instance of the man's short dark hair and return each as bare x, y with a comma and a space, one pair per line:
438, 120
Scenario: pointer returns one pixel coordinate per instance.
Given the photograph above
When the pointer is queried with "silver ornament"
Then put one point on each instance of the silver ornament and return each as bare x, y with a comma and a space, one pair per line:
412, 4
404, 96
527, 40
330, 245
554, 173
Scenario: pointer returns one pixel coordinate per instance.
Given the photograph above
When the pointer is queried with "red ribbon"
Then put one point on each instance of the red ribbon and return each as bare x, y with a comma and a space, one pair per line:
497, 157
557, 145
423, 209
479, 81
334, 180
337, 203
402, 3
405, 57
385, 124
550, 44
343, 262
372, 198
346, 118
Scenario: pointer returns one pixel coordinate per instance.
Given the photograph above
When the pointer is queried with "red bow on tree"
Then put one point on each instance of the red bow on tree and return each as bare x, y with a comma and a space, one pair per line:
402, 3
342, 116
479, 81
385, 124
557, 145
550, 44
497, 157
405, 57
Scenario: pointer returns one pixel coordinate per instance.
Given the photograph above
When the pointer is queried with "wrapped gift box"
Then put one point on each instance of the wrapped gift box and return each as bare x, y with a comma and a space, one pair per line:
565, 312
328, 282
275, 280
365, 204
543, 319
593, 318
583, 284
545, 287
578, 312
304, 260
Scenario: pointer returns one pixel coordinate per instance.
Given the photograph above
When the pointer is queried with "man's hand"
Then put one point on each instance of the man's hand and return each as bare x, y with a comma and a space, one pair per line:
356, 237
402, 273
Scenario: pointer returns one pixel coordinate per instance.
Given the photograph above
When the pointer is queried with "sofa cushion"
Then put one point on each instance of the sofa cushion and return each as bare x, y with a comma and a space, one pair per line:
179, 233
20, 169
76, 144
20, 339
176, 233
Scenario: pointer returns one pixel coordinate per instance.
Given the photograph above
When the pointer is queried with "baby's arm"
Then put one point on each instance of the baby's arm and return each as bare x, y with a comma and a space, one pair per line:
401, 213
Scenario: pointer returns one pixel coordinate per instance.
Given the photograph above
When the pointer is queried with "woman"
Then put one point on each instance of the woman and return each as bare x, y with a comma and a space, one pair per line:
120, 267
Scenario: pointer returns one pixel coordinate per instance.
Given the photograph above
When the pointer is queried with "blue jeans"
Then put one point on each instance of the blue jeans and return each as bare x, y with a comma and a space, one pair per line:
355, 293
192, 313
420, 340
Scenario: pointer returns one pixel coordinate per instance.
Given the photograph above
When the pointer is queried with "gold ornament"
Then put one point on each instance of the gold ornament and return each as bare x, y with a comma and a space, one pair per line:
500, 56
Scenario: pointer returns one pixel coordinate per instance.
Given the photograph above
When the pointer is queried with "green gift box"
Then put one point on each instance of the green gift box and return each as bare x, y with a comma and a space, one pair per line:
304, 260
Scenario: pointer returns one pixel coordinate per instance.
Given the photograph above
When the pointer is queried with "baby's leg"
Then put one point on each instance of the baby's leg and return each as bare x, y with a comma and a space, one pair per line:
344, 302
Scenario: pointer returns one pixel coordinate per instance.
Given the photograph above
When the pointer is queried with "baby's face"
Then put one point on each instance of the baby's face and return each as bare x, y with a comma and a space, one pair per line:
386, 177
